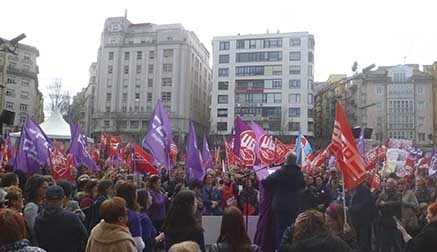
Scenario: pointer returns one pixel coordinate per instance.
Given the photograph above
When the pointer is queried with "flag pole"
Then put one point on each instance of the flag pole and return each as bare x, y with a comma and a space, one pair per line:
344, 202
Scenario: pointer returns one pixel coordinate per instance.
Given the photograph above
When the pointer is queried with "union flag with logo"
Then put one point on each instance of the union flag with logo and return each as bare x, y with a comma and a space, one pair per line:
344, 148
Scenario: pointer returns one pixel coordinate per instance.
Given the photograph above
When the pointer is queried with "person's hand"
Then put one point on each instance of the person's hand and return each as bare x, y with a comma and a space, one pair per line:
213, 204
301, 217
159, 238
346, 228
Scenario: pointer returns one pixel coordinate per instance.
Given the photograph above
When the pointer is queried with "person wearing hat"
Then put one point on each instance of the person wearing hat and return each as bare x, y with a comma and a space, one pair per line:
287, 185
57, 229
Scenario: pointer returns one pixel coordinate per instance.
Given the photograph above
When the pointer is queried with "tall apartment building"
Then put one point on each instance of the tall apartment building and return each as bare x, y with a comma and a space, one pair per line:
139, 64
82, 107
396, 101
265, 78
22, 94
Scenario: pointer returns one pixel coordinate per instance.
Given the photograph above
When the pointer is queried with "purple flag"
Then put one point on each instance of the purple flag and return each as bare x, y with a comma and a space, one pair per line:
193, 163
245, 142
265, 147
159, 137
361, 143
33, 149
206, 154
433, 163
78, 149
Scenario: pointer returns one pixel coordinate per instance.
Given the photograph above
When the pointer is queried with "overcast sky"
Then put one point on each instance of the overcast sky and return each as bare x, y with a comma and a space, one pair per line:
384, 32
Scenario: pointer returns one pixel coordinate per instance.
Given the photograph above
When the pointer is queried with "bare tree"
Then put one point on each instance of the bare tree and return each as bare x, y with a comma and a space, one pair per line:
59, 98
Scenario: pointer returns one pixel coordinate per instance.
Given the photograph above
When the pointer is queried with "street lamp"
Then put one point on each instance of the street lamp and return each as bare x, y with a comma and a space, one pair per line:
7, 47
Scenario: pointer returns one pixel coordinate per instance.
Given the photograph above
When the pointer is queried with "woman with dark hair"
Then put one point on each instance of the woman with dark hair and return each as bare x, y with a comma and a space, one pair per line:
105, 189
180, 224
311, 234
248, 199
323, 194
229, 192
13, 233
150, 235
128, 191
112, 234
211, 196
334, 217
233, 236
426, 240
34, 192
89, 193
157, 210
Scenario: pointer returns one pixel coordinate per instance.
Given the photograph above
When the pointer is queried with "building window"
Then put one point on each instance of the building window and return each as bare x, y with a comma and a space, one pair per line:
10, 92
166, 96
151, 54
294, 98
249, 70
222, 99
222, 112
310, 71
272, 43
379, 91
124, 97
150, 69
149, 97
311, 43
222, 126
310, 113
149, 82
293, 126
420, 90
144, 124
108, 97
294, 69
124, 109
293, 112
420, 104
276, 84
421, 137
224, 58
310, 57
223, 72
294, 84
25, 94
139, 69
240, 43
310, 126
110, 69
22, 120
126, 69
137, 96
310, 99
294, 42
10, 105
122, 124
167, 68
252, 43
294, 56
224, 45
111, 56
223, 85
166, 82
168, 53
23, 107
126, 55
134, 124
139, 55
136, 109
26, 57
108, 109
106, 123
25, 83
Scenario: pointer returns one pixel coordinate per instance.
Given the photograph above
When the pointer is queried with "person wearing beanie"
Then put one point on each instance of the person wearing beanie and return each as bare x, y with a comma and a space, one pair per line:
57, 229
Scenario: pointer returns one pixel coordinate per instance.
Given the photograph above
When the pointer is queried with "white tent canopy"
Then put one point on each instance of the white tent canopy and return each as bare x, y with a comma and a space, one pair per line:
55, 127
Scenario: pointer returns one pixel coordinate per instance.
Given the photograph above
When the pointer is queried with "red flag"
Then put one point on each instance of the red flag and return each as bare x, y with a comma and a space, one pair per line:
143, 161
114, 142
217, 156
173, 152
320, 158
281, 151
231, 158
59, 165
344, 148
375, 179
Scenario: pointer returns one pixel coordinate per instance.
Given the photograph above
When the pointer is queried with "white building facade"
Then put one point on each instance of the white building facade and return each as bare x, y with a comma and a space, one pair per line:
265, 78
22, 95
139, 64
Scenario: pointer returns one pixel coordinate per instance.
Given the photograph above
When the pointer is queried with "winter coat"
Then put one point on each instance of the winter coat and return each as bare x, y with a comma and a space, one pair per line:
208, 195
195, 235
107, 237
425, 241
408, 211
287, 184
224, 247
362, 207
319, 243
59, 230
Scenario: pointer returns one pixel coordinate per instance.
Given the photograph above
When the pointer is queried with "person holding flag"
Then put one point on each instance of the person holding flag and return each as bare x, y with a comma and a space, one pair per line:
287, 184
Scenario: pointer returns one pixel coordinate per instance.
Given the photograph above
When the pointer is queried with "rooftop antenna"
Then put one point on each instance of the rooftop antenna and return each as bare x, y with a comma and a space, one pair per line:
125, 13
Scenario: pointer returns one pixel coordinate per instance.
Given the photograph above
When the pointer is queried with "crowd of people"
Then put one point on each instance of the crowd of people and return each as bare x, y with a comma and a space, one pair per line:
117, 211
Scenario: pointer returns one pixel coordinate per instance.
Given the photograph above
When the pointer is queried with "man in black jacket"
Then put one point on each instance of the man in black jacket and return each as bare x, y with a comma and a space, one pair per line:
57, 229
362, 211
287, 185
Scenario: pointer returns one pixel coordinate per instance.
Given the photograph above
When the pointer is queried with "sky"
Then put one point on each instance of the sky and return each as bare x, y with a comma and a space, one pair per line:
383, 32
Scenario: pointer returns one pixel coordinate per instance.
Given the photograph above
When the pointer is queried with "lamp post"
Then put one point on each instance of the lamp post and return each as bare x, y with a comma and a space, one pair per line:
7, 46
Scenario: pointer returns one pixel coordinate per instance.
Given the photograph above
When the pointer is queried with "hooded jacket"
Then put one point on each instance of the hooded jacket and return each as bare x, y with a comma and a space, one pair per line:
107, 237
59, 230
